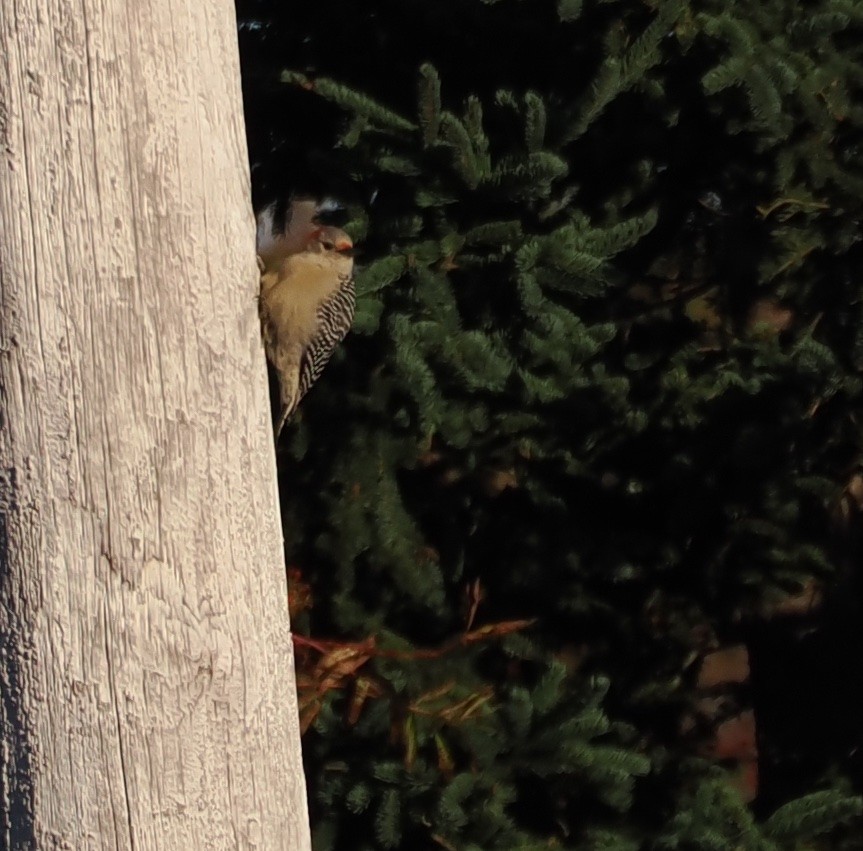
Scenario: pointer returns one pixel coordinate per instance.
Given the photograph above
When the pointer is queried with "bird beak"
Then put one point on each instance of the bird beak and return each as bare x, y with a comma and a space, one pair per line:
346, 248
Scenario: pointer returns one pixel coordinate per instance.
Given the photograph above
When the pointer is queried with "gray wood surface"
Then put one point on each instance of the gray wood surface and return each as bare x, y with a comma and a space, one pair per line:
148, 699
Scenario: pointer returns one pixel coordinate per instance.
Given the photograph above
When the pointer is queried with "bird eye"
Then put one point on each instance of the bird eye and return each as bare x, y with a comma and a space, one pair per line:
328, 244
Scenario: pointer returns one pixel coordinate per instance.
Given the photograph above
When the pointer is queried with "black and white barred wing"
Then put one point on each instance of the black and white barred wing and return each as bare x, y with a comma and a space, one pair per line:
335, 316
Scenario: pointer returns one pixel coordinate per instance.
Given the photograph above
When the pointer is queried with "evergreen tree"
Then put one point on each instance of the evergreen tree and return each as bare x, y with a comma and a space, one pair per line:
598, 413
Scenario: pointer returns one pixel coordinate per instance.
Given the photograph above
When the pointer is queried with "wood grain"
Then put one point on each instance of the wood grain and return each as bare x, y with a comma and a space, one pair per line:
146, 663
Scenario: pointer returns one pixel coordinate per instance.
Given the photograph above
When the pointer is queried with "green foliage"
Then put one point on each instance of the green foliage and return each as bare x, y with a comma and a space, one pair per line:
605, 368
465, 760
713, 818
626, 66
813, 815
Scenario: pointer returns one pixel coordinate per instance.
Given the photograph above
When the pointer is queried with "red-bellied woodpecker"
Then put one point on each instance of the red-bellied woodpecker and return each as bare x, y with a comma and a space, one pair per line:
307, 297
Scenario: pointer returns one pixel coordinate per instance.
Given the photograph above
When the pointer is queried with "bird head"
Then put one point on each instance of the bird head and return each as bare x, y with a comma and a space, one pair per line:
332, 241
300, 233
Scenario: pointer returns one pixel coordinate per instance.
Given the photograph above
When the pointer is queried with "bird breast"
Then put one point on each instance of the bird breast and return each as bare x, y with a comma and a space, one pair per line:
293, 293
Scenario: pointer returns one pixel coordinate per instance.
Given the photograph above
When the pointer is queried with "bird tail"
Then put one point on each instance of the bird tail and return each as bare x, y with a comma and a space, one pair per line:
282, 420
289, 392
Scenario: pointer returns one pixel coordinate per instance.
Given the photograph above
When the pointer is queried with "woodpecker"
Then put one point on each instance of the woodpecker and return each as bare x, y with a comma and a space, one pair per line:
307, 297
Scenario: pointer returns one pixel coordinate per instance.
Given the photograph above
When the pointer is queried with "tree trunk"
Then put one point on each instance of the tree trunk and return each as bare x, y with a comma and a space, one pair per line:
146, 665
